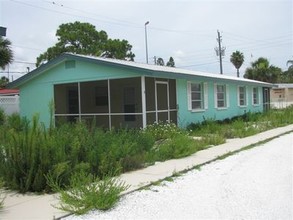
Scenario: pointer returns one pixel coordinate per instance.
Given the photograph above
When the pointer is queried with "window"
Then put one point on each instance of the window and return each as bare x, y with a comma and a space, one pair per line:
221, 96
197, 93
242, 96
255, 96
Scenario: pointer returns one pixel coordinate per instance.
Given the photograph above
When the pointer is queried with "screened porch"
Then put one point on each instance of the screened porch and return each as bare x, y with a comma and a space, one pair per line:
120, 103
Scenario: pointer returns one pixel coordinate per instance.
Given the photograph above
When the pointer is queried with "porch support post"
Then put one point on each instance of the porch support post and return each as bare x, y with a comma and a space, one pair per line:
109, 105
79, 101
143, 102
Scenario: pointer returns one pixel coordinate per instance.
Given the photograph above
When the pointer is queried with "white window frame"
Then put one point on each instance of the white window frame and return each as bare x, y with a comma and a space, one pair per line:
257, 96
244, 98
204, 96
226, 96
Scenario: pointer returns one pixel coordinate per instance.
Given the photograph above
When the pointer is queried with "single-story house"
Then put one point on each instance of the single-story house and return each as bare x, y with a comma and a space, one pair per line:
282, 95
117, 93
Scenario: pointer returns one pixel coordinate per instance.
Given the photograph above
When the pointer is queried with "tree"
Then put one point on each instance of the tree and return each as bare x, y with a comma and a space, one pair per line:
287, 76
118, 49
6, 54
83, 38
237, 58
290, 63
171, 62
261, 70
3, 82
160, 62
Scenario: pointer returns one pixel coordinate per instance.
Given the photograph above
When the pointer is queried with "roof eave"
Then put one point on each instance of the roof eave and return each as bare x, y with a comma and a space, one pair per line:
50, 64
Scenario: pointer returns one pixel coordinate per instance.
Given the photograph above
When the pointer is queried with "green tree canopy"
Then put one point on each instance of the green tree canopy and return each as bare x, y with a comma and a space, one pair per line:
261, 70
83, 38
290, 64
287, 76
3, 82
171, 62
6, 54
237, 59
118, 49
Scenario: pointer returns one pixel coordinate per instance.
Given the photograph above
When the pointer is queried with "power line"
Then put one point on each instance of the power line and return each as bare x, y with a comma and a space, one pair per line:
18, 61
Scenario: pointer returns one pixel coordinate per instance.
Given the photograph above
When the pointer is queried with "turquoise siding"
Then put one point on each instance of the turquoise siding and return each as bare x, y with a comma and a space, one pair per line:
36, 95
185, 116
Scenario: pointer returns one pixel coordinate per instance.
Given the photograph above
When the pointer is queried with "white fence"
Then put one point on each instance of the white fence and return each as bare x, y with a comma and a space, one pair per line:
281, 104
10, 104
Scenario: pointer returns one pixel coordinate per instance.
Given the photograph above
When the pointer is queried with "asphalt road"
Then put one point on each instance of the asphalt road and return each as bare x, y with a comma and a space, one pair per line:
253, 184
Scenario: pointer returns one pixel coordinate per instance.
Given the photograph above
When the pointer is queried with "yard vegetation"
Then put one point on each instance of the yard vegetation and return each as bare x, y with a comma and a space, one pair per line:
38, 159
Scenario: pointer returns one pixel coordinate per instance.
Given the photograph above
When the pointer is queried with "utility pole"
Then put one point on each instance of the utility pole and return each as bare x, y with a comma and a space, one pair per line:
220, 51
146, 42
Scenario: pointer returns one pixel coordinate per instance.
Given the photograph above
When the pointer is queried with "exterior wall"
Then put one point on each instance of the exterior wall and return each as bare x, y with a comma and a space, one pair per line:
281, 97
185, 116
36, 95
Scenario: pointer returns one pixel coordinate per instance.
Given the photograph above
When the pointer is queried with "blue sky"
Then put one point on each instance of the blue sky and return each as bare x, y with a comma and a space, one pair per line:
185, 30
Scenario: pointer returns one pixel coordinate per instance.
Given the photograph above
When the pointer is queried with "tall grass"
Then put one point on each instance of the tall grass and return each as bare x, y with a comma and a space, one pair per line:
245, 125
29, 151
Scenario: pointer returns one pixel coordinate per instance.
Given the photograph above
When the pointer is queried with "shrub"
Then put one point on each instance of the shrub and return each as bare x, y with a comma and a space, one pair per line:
28, 151
2, 116
2, 193
163, 130
86, 192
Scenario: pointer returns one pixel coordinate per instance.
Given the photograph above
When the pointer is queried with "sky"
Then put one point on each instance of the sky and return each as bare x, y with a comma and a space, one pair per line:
183, 29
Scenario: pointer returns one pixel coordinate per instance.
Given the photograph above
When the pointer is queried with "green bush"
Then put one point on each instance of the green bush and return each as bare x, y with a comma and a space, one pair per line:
163, 130
2, 116
2, 193
86, 192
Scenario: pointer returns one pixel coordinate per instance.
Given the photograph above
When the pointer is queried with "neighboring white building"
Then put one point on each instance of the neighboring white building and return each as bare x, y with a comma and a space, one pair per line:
9, 101
282, 95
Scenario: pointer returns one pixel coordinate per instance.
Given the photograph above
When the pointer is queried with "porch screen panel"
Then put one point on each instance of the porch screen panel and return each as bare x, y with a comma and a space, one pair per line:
94, 97
101, 121
66, 98
66, 102
162, 94
120, 103
150, 94
172, 94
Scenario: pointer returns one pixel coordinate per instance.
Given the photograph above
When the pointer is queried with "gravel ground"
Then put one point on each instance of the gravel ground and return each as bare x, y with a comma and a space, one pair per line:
254, 184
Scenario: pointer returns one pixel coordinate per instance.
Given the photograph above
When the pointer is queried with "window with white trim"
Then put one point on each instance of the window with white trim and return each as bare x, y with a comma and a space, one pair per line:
255, 96
197, 96
242, 96
221, 96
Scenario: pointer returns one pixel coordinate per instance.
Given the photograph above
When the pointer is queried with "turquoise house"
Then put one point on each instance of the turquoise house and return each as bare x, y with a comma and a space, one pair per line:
118, 93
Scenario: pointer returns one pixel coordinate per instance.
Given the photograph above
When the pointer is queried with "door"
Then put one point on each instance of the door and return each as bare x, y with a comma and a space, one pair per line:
162, 101
266, 99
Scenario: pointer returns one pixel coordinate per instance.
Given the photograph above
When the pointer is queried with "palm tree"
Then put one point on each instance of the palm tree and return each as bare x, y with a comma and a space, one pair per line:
6, 54
290, 63
261, 70
237, 58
